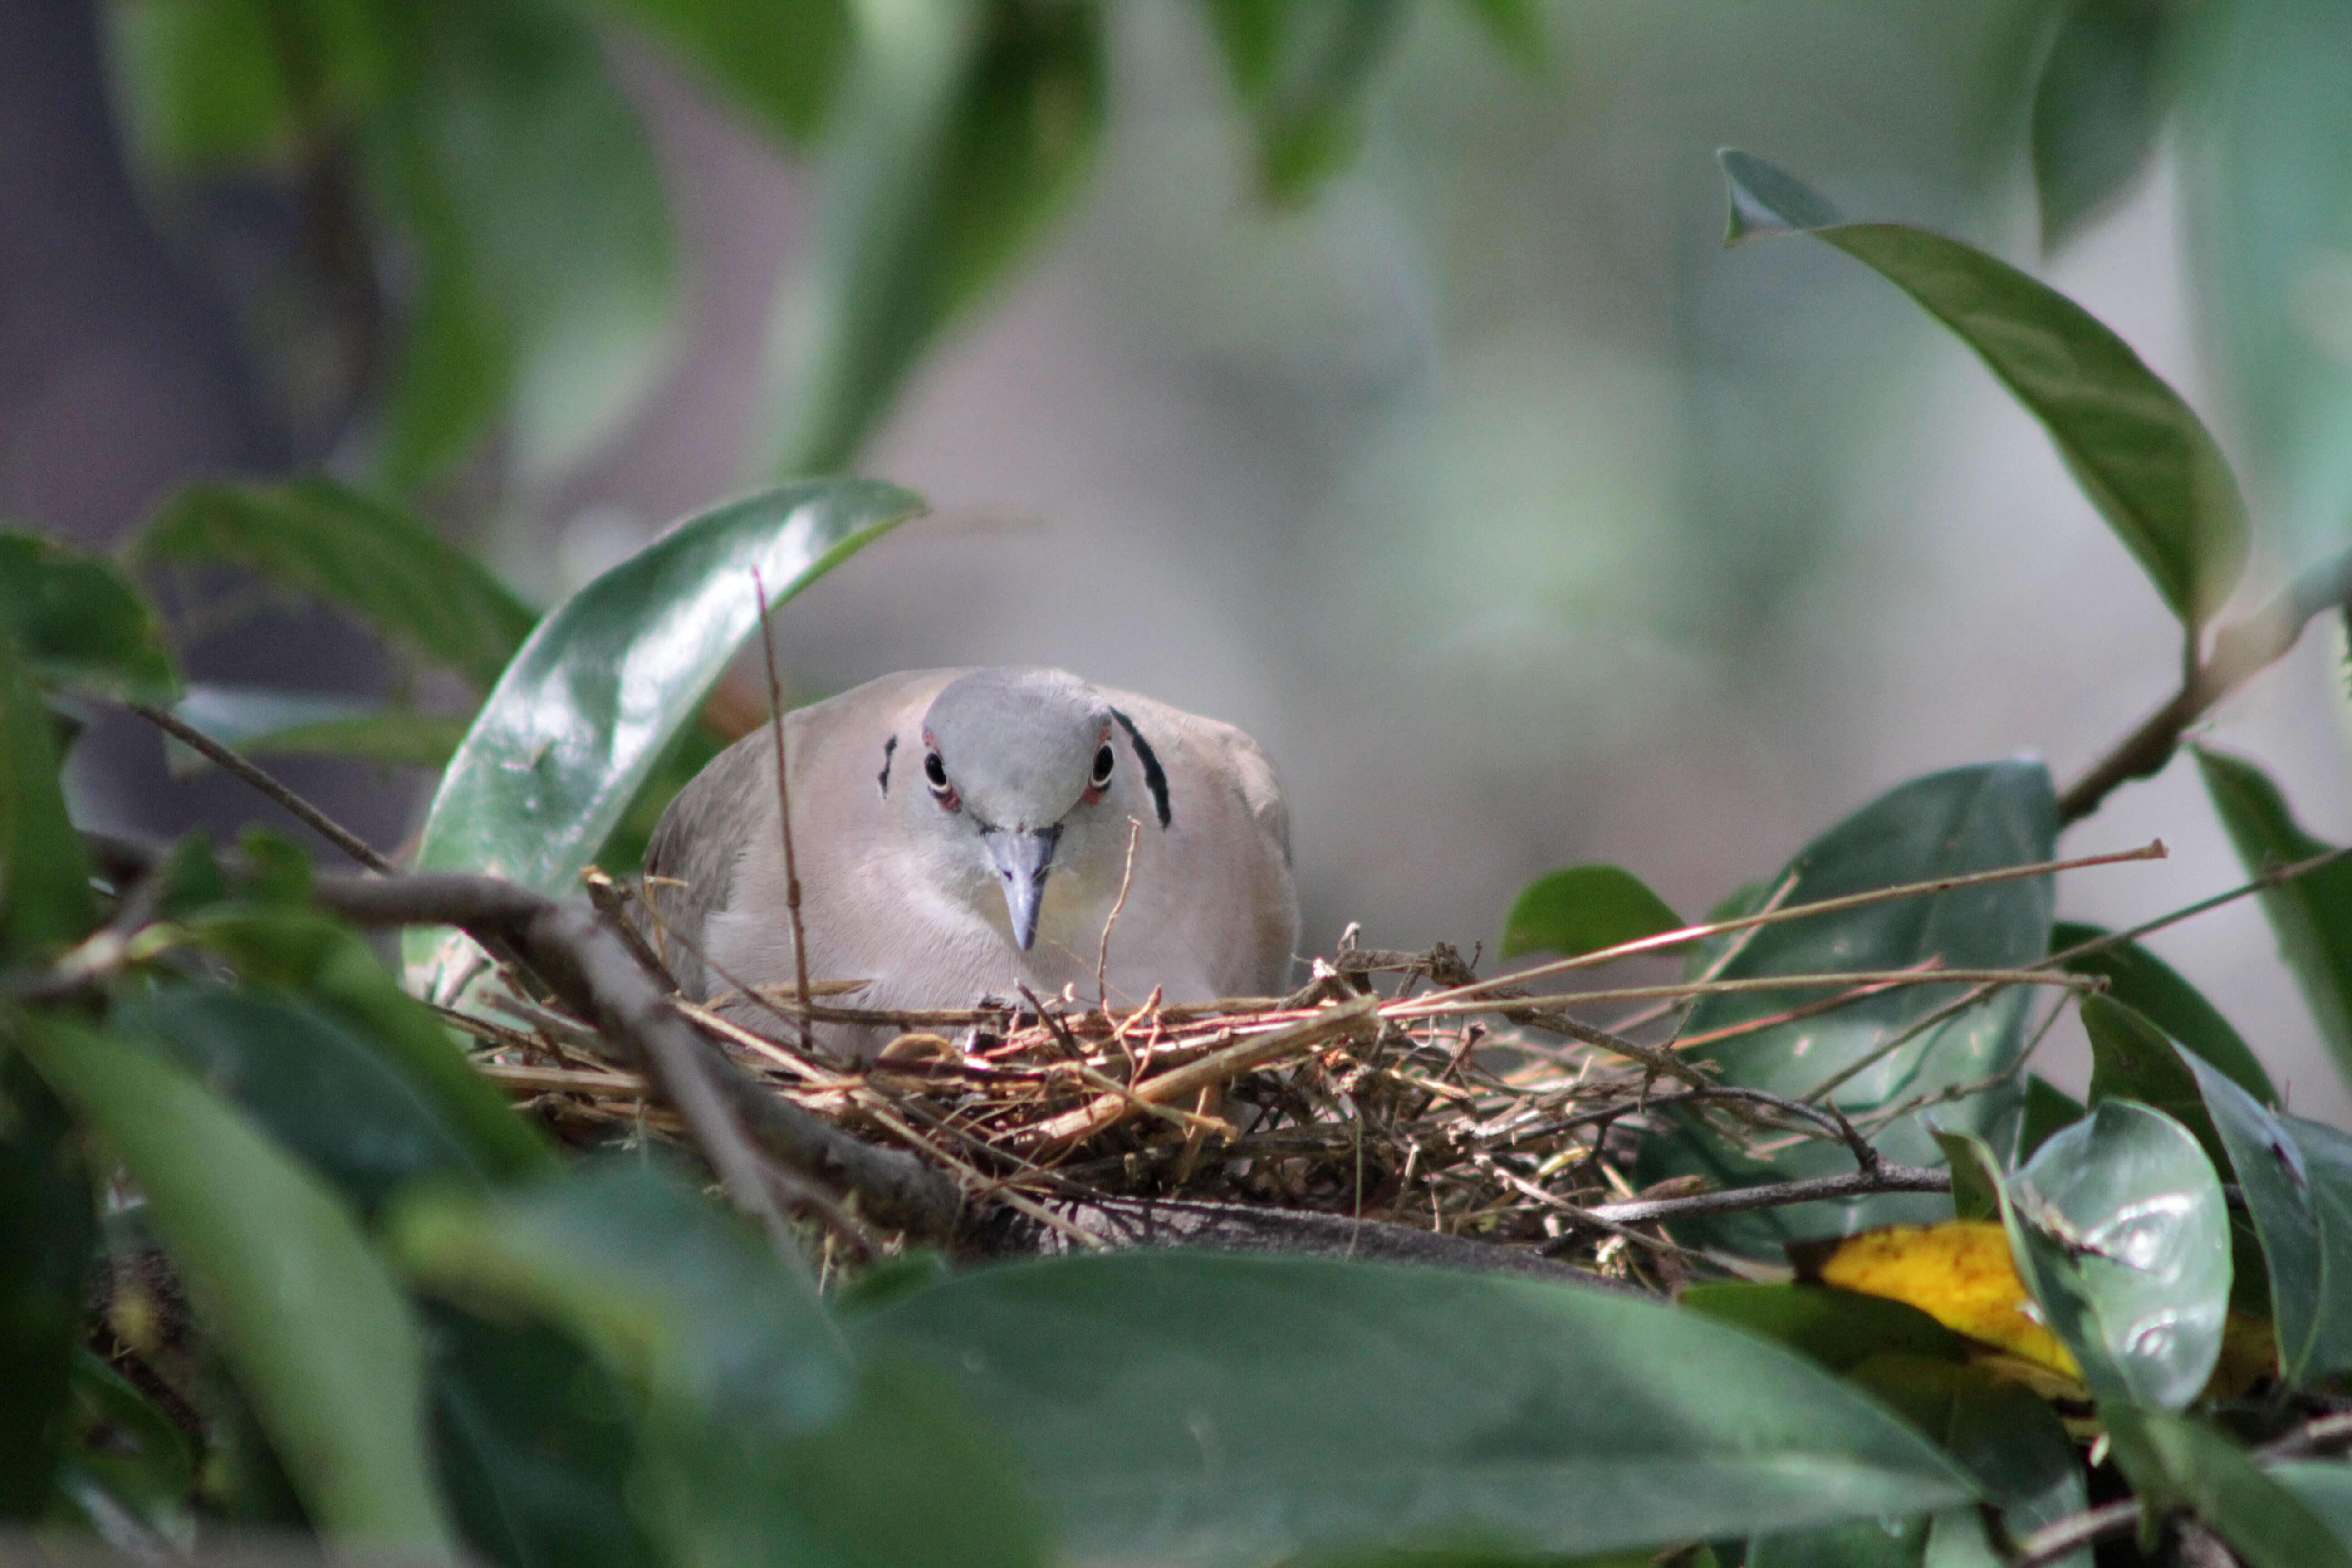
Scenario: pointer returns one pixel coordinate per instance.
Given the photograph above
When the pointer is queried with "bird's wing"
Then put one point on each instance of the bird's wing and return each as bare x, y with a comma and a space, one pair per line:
689, 869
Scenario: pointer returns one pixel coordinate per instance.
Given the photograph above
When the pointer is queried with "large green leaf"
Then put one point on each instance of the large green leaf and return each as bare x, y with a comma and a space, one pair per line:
780, 60
2097, 107
546, 291
320, 1341
2313, 914
78, 624
2131, 1059
1583, 910
46, 1230
2268, 182
595, 698
762, 1440
966, 126
1839, 1328
2298, 1180
45, 899
358, 553
2173, 1460
1222, 1409
2124, 1242
202, 85
1947, 824
2150, 986
261, 719
2140, 454
2325, 1486
1302, 66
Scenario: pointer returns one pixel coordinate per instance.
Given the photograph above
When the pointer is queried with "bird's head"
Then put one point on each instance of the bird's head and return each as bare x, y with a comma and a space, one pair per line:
1016, 761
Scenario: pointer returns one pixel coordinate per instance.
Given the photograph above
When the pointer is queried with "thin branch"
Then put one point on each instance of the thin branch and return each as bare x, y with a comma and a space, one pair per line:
2054, 1542
784, 813
1102, 956
1888, 1178
2240, 650
318, 821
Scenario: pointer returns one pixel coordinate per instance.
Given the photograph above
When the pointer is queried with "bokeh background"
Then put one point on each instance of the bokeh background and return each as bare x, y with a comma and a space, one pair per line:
1523, 523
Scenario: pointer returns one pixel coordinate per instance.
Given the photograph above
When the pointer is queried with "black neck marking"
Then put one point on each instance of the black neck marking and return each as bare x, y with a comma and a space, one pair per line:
888, 746
1155, 778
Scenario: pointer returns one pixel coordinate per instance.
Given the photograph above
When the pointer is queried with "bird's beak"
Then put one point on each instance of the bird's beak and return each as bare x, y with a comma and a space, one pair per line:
1021, 857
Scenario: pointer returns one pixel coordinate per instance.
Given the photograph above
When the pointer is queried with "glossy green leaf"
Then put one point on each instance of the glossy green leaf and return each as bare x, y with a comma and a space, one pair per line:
2131, 1059
2123, 1211
2048, 1108
2148, 986
320, 1341
259, 721
2097, 107
780, 60
1839, 1328
1224, 1409
46, 1231
760, 1437
2140, 454
590, 706
963, 133
2325, 1486
371, 560
44, 901
1302, 67
2265, 183
2173, 1459
1967, 819
547, 290
77, 622
2313, 914
1583, 909
2298, 1180
1976, 1194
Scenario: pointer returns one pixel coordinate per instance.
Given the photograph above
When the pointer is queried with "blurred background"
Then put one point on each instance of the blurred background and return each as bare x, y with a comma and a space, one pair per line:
1369, 374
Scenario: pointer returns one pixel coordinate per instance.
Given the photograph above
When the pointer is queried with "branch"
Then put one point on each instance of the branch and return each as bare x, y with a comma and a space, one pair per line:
2240, 650
1888, 1178
318, 821
2054, 1543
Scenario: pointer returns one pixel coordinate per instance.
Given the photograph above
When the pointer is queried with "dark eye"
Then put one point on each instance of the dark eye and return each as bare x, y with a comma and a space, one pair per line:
1103, 761
935, 770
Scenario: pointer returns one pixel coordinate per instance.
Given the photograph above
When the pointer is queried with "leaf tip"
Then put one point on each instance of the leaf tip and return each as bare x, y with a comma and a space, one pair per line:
1765, 200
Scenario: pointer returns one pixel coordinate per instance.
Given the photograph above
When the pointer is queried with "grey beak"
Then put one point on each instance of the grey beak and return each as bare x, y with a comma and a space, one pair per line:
1021, 857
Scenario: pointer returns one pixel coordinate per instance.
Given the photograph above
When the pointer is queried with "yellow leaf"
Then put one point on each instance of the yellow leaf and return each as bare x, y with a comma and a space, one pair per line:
1959, 1274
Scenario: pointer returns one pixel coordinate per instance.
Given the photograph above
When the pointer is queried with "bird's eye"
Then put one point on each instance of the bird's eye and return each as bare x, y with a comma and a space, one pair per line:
935, 770
1103, 764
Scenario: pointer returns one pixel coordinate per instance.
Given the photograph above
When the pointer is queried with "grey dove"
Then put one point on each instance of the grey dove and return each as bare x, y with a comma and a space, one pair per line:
963, 833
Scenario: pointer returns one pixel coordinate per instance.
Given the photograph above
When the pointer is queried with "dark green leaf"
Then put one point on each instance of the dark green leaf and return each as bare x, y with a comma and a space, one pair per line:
44, 901
261, 720
361, 555
2174, 1459
1583, 909
2123, 1213
780, 60
77, 622
1221, 1409
547, 287
202, 85
120, 1442
1974, 1194
2313, 914
2141, 455
595, 699
2298, 1180
760, 1436
1947, 824
2048, 1108
47, 1232
1302, 66
2096, 111
1839, 1328
2145, 982
961, 137
311, 1324
2325, 1486
2131, 1059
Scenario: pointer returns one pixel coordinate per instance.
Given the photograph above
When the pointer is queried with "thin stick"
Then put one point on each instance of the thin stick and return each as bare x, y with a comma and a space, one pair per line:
1888, 1178
1871, 979
2054, 1542
318, 821
1102, 958
785, 813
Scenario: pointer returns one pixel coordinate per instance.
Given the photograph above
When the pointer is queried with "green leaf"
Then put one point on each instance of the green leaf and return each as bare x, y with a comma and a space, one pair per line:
1975, 1195
1302, 66
2123, 1215
2131, 1059
2298, 1180
2145, 982
259, 719
1583, 909
2140, 454
594, 698
780, 62
120, 1442
760, 1435
1947, 824
2313, 914
318, 1337
44, 901
547, 292
1223, 1409
2323, 1487
46, 1230
964, 131
77, 622
2174, 1459
1517, 27
2048, 1108
1839, 1328
360, 554
2097, 109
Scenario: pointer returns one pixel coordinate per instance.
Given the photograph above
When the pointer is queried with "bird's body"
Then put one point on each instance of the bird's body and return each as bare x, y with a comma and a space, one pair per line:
934, 812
